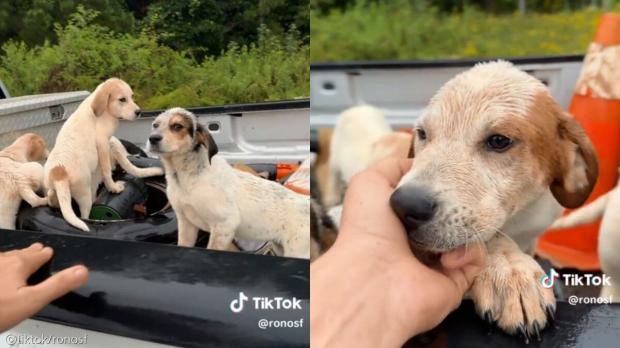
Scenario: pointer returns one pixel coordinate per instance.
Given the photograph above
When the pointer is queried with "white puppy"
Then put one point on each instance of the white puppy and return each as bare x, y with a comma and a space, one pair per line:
208, 194
361, 138
81, 157
607, 206
20, 177
494, 157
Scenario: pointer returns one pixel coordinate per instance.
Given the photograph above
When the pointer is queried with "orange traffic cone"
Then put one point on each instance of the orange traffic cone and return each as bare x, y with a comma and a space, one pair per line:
596, 105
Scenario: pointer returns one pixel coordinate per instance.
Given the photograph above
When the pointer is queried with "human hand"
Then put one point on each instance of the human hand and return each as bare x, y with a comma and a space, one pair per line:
369, 289
18, 301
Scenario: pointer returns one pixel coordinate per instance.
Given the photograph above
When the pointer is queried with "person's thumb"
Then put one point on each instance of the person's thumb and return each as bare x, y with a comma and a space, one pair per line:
462, 265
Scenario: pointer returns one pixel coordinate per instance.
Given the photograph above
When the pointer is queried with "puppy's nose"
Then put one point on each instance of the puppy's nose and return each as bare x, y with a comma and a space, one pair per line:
413, 205
138, 112
155, 139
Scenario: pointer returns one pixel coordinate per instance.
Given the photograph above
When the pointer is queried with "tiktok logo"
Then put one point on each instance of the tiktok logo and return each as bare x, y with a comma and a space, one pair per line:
547, 281
236, 305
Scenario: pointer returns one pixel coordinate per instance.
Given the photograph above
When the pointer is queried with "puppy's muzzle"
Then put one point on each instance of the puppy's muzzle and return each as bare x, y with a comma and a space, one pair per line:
155, 139
413, 205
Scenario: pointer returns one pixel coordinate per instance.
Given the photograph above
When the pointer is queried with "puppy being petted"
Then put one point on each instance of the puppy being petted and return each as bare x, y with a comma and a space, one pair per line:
82, 158
495, 159
207, 194
21, 176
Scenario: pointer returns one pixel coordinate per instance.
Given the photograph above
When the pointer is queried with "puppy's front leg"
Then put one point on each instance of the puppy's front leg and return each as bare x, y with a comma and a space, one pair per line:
222, 234
509, 292
119, 154
103, 151
188, 233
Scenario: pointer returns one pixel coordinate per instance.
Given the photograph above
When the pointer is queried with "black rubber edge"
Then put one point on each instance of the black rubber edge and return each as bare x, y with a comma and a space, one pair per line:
172, 295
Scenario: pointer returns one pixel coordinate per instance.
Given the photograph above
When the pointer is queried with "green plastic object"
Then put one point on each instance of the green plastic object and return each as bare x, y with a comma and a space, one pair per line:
104, 212
119, 206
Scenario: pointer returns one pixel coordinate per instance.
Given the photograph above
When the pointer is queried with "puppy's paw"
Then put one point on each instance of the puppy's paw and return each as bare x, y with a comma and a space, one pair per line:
117, 187
509, 293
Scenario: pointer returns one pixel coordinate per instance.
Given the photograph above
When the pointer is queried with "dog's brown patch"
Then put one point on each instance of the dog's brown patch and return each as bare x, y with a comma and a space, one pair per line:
37, 149
559, 139
180, 126
102, 98
321, 164
204, 137
58, 173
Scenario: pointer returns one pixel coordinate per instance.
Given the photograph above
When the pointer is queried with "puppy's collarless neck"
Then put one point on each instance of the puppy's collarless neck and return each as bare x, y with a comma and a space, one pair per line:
190, 163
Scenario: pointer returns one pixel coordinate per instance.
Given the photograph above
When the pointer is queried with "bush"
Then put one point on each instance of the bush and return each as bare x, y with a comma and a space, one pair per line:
274, 68
87, 54
380, 31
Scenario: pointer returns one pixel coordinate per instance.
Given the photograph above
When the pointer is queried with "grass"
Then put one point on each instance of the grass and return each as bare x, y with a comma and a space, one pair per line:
380, 31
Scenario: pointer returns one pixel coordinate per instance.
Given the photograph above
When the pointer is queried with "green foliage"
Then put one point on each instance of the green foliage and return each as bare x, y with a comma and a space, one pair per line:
197, 27
274, 68
24, 70
205, 27
376, 30
488, 6
32, 21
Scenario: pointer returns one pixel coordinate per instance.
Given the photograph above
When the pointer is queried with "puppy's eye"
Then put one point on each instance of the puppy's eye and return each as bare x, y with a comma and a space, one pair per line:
177, 127
123, 100
421, 133
155, 125
498, 143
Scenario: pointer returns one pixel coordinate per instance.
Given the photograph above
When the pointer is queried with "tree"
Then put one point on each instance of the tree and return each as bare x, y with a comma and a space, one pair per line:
32, 21
206, 27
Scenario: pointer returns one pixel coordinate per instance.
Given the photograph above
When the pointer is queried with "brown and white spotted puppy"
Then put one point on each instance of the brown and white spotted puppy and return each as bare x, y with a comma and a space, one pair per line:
206, 193
21, 176
495, 157
85, 151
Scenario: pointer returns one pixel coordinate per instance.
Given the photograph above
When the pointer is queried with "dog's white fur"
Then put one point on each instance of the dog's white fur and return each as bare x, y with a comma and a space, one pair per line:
21, 176
208, 194
361, 138
607, 206
504, 198
85, 154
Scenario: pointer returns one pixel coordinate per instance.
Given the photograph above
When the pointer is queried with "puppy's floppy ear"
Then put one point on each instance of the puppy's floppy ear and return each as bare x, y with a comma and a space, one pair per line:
204, 138
577, 171
101, 99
